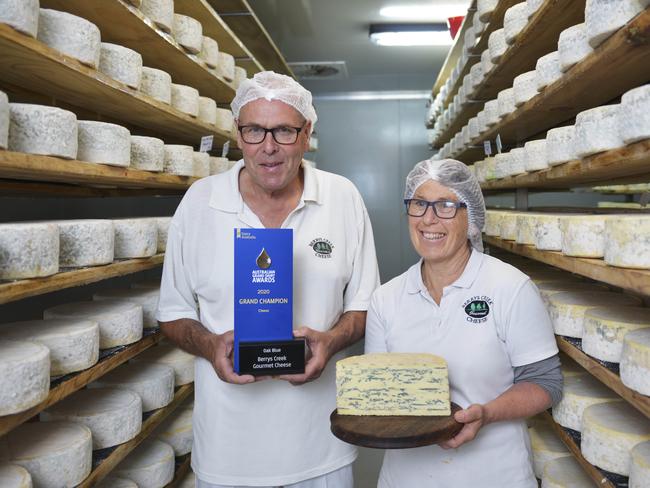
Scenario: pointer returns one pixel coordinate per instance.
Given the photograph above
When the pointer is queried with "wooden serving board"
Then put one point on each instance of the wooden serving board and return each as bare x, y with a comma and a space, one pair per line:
394, 432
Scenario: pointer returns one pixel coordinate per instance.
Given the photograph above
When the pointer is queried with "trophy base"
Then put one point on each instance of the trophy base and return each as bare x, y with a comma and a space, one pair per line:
271, 358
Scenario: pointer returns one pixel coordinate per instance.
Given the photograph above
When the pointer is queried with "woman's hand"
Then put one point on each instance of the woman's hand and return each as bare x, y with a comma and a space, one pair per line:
473, 418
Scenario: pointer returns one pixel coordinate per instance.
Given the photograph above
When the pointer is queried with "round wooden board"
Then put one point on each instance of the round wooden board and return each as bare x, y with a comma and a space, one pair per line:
394, 432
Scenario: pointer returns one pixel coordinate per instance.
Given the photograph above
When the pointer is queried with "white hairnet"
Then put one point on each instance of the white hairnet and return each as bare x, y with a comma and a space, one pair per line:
457, 177
274, 86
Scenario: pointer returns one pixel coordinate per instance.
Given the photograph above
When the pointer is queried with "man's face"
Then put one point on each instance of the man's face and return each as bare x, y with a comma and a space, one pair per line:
273, 166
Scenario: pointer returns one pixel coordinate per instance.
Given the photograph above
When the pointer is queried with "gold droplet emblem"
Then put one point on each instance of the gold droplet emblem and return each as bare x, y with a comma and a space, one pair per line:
264, 260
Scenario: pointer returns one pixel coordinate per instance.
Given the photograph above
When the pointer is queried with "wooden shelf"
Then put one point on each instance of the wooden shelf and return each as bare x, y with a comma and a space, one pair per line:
635, 280
30, 64
241, 18
123, 24
77, 381
104, 468
183, 466
45, 190
16, 290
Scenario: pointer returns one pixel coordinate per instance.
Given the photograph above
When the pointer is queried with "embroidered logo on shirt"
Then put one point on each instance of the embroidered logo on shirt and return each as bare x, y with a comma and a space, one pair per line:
322, 247
477, 309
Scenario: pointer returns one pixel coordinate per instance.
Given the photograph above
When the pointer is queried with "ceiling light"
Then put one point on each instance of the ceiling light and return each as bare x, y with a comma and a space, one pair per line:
428, 11
410, 35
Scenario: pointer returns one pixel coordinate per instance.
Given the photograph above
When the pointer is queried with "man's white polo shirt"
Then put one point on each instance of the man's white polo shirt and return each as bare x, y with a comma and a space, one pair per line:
267, 433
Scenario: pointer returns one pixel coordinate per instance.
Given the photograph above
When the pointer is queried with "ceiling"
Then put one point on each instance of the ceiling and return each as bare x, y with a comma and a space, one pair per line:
337, 30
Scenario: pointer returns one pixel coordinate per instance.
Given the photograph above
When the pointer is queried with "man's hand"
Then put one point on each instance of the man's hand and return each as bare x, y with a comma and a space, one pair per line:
474, 417
319, 352
222, 349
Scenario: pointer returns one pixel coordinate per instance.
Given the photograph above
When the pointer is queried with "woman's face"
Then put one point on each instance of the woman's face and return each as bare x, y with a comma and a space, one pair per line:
434, 239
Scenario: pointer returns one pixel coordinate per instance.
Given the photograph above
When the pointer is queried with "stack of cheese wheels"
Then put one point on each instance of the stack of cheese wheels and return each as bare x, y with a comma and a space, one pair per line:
28, 250
605, 328
157, 84
565, 472
162, 224
609, 432
161, 13
583, 235
56, 454
37, 129
114, 482
13, 475
578, 393
640, 466
135, 238
549, 288
180, 361
70, 35
153, 382
85, 242
546, 445
146, 298
177, 430
627, 241
120, 322
179, 159
567, 309
635, 361
634, 116
101, 142
113, 415
24, 375
147, 153
121, 64
150, 465
73, 343
21, 15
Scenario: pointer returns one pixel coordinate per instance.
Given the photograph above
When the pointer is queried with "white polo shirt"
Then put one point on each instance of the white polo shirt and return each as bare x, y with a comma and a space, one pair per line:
267, 433
489, 321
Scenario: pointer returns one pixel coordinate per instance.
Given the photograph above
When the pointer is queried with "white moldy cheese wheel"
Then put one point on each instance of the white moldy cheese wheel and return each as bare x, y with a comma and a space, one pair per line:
186, 99
578, 393
200, 164
188, 32
627, 241
4, 120
604, 330
71, 35
209, 52
597, 130
470, 39
181, 361
121, 64
157, 84
472, 127
517, 161
583, 235
485, 9
120, 322
560, 145
565, 472
502, 165
525, 87
24, 375
14, 476
147, 299
548, 70
218, 165
572, 46
546, 446
514, 21
567, 309
179, 160
640, 466
208, 110
549, 288
101, 142
240, 75
635, 361
28, 250
508, 226
604, 17
526, 224
506, 102
56, 454
548, 236
153, 382
161, 13
497, 45
533, 6
147, 153
535, 155
21, 15
476, 76
491, 109
135, 238
37, 129
85, 242
113, 482
225, 119
177, 430
226, 66
609, 432
486, 61
634, 116
493, 223
113, 416
73, 343
162, 223
150, 465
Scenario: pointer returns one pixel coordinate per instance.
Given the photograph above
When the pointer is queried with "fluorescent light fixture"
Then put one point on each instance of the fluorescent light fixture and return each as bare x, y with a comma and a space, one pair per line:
410, 35
427, 11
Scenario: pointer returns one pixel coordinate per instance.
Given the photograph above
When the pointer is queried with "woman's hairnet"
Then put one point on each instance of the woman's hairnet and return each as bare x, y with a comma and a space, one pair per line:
274, 86
458, 178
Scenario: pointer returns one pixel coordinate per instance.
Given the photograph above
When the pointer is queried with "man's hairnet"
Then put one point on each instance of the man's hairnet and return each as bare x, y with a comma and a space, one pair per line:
457, 177
274, 86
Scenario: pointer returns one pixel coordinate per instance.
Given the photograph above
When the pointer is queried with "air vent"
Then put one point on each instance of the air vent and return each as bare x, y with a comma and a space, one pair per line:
320, 70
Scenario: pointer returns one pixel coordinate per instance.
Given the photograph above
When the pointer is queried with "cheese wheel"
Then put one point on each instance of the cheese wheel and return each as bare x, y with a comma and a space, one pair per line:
627, 241
121, 64
535, 158
634, 115
225, 119
21, 15
147, 299
200, 164
597, 130
186, 99
226, 66
147, 153
469, 39
514, 21
533, 6
565, 472
464, 132
177, 430
71, 35
56, 454
135, 238
560, 146
497, 45
549, 288
85, 242
14, 476
73, 343
517, 161
207, 110
24, 375
583, 235
188, 32
485, 9
605, 329
120, 322
548, 70
635, 361
28, 250
479, 27
640, 466
150, 465
491, 109
161, 13
486, 62
506, 102
548, 236
472, 127
113, 416
525, 87
240, 75
209, 52
490, 169
157, 84
218, 165
567, 309
508, 226
604, 17
476, 76
572, 46
101, 142
4, 120
113, 482
502, 166
546, 446
162, 223
526, 224
179, 159
189, 481
578, 393
609, 432
180, 361
493, 222
37, 129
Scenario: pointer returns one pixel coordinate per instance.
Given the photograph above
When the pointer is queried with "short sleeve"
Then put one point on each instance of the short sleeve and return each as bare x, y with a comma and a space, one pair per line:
375, 340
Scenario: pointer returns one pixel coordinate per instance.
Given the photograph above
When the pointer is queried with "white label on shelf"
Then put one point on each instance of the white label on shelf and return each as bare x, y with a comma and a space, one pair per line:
499, 146
206, 143
226, 148
487, 147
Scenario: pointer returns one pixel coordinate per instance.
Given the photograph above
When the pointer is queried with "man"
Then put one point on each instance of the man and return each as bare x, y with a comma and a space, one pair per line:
253, 431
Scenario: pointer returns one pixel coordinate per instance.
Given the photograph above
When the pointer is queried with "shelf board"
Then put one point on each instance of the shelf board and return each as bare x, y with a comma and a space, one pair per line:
122, 23
44, 190
635, 280
107, 465
77, 381
11, 291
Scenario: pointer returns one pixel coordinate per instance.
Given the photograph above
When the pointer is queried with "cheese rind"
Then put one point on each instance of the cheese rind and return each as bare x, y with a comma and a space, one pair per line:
634, 116
640, 466
186, 99
548, 70
572, 46
200, 164
604, 17
177, 430
121, 64
85, 242
485, 9
497, 45
161, 12
71, 35
28, 250
188, 32
635, 361
150, 465
21, 15
13, 475
578, 393
135, 238
546, 446
146, 298
535, 155
162, 223
218, 165
548, 236
101, 142
240, 75
147, 153
37, 129
225, 119
627, 241
605, 329
583, 235
565, 472
597, 130
514, 21
226, 66
179, 159
180, 361
157, 84
209, 52
207, 110
525, 87
24, 375
560, 145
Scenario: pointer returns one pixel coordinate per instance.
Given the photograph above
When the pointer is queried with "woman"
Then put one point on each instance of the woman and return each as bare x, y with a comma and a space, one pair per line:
485, 318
